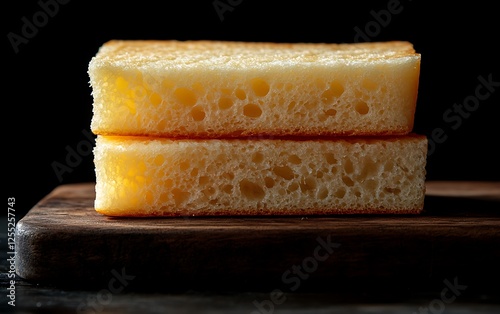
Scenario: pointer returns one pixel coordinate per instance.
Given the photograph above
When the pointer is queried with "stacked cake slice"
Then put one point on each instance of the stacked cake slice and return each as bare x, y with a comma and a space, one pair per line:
235, 128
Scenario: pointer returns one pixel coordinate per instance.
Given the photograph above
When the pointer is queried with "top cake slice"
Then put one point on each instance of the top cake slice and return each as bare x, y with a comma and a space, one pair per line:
208, 89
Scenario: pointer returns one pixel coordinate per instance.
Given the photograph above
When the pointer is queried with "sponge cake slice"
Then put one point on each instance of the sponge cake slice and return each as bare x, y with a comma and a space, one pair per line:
211, 89
139, 176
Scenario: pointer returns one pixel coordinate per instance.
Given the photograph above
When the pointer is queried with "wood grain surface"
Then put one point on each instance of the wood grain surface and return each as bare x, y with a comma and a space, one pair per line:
64, 241
464, 189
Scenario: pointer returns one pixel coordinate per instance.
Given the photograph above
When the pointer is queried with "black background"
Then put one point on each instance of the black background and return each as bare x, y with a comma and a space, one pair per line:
48, 104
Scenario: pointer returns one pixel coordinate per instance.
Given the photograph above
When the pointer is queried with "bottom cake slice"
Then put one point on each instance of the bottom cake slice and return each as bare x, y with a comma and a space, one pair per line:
144, 176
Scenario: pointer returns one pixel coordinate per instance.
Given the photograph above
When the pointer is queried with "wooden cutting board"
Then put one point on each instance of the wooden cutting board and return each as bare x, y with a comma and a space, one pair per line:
63, 241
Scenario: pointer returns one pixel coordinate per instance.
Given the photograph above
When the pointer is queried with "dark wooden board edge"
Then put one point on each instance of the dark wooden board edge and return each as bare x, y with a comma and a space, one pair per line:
250, 252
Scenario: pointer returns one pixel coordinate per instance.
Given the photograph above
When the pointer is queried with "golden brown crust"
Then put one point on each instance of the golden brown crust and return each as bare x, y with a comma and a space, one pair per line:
352, 139
139, 53
113, 48
261, 212
256, 134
